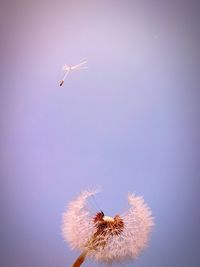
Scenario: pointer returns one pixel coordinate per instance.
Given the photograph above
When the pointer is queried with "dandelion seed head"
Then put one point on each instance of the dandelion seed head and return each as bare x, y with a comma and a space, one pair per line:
104, 238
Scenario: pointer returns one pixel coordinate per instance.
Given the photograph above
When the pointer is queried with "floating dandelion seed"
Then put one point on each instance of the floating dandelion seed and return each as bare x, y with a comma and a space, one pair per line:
104, 238
67, 68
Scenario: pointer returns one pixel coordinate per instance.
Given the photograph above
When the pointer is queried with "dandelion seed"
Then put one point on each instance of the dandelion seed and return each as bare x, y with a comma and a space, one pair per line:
104, 238
67, 69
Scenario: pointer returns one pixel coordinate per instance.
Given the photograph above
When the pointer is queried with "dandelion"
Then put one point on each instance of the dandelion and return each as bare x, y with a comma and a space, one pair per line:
67, 69
104, 238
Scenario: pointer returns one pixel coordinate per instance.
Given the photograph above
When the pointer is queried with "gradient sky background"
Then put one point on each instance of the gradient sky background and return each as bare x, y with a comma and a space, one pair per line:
129, 124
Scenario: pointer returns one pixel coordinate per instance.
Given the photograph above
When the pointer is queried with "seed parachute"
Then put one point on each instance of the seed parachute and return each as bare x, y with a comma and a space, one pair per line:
68, 69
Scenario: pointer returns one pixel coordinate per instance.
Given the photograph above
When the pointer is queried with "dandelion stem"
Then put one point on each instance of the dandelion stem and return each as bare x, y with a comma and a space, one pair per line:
79, 260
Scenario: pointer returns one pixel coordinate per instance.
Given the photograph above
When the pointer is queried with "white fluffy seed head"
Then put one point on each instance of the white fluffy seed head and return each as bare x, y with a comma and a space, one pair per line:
80, 232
